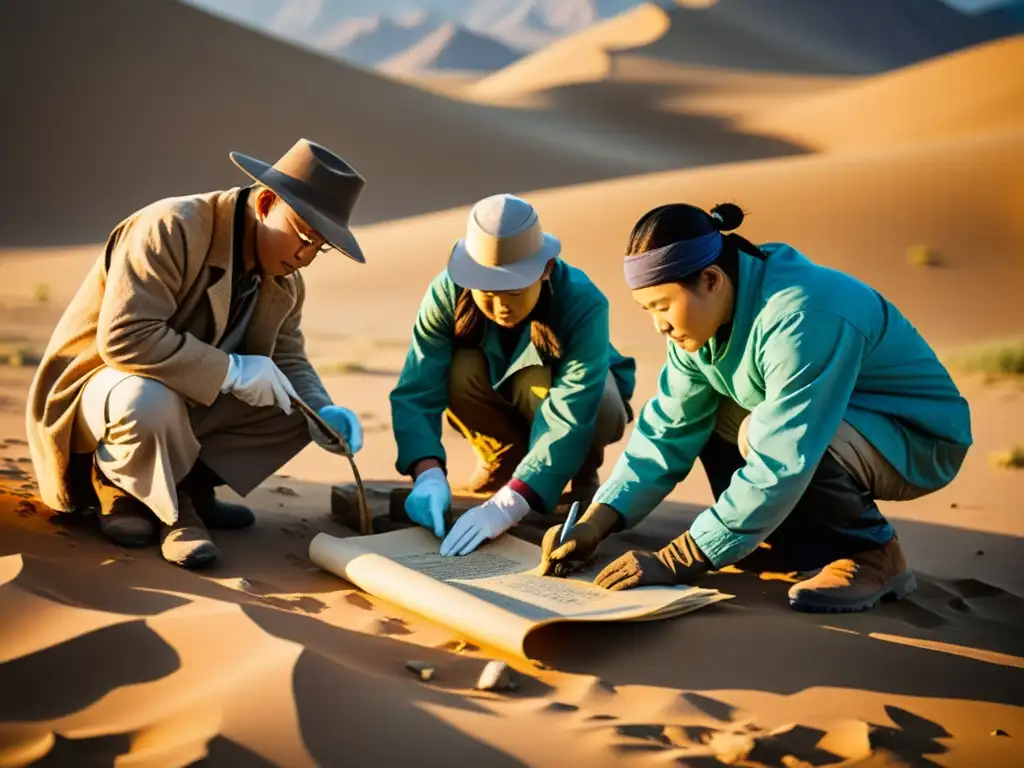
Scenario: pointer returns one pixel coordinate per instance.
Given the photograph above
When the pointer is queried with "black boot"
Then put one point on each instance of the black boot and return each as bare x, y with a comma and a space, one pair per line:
200, 485
123, 519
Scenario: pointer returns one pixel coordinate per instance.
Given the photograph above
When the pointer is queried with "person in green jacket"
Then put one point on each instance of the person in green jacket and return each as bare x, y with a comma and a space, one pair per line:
806, 395
512, 344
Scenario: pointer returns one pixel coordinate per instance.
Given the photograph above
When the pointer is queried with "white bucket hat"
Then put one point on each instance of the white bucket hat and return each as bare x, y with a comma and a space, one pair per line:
505, 248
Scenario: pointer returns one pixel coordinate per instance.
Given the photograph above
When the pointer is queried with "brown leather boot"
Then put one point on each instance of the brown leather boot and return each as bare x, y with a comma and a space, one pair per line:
187, 542
857, 583
123, 519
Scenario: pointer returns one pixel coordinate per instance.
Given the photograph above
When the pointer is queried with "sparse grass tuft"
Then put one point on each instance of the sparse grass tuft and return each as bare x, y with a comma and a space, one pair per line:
42, 293
996, 359
922, 256
18, 356
1011, 459
391, 343
345, 366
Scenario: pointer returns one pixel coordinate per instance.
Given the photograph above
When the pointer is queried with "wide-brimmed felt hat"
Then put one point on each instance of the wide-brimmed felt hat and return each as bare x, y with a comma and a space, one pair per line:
318, 185
505, 247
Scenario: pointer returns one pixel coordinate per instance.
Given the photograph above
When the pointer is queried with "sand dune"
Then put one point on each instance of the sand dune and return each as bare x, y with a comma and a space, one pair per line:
794, 36
582, 58
109, 655
141, 117
823, 37
977, 91
857, 211
452, 47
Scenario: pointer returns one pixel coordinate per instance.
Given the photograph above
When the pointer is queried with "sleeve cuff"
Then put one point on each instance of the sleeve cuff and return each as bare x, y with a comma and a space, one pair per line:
535, 501
407, 470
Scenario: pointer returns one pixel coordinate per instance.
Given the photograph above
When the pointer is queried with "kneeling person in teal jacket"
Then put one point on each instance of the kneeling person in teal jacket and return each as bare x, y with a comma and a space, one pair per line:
512, 343
806, 395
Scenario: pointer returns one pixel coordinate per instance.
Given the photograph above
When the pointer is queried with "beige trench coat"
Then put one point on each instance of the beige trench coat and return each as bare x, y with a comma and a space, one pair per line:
155, 304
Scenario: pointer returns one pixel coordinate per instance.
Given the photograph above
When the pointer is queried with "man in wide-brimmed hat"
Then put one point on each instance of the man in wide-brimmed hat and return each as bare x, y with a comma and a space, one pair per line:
173, 368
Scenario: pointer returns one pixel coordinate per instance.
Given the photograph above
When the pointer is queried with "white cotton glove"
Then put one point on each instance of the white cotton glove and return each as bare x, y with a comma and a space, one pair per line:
487, 521
256, 380
430, 498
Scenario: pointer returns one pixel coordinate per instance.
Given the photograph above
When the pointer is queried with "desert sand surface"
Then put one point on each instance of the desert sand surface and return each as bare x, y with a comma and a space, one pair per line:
110, 656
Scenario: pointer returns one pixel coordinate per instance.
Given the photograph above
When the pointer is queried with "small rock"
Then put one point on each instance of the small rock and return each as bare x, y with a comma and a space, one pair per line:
954, 505
999, 732
421, 668
242, 585
561, 706
385, 626
496, 676
980, 552
284, 490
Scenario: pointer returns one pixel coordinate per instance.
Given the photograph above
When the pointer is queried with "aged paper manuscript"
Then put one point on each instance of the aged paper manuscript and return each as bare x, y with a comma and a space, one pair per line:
491, 595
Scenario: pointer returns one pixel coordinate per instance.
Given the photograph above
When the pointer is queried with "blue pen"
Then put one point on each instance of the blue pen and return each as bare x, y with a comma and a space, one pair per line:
570, 521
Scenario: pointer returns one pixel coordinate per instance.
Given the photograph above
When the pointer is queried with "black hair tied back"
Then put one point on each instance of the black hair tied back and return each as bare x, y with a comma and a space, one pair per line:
727, 216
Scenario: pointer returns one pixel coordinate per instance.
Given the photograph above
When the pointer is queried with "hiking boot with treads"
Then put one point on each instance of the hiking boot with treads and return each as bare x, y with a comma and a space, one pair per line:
857, 583
122, 518
187, 542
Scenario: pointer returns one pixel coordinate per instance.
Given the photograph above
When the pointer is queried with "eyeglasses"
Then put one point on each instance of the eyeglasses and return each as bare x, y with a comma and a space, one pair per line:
321, 245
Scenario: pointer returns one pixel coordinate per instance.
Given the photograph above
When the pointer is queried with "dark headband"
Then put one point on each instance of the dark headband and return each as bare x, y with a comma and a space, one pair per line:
672, 262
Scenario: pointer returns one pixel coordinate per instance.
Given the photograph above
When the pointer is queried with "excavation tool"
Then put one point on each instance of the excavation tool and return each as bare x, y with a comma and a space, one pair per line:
365, 523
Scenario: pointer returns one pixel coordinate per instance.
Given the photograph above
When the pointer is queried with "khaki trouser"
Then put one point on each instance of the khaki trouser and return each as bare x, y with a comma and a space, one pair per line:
146, 438
849, 447
497, 423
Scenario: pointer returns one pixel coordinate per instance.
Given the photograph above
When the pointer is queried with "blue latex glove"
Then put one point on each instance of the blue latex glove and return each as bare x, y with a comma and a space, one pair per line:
486, 521
430, 498
344, 422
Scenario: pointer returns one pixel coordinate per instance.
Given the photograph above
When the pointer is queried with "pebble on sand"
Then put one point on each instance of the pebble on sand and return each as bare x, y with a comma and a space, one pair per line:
284, 490
999, 732
421, 668
496, 676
